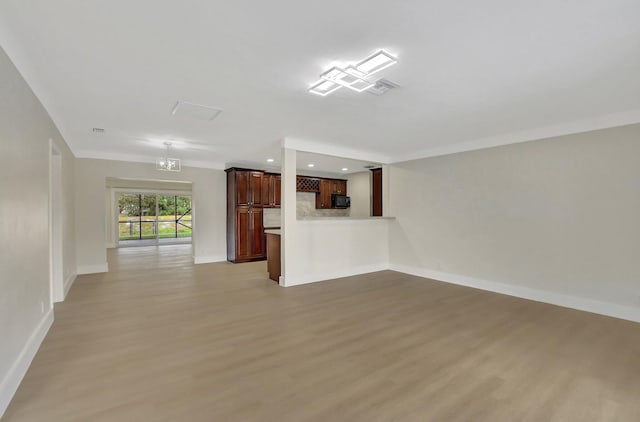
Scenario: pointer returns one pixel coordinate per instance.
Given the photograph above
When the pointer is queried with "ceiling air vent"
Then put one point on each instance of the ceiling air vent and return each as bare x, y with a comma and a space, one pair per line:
98, 130
195, 111
382, 86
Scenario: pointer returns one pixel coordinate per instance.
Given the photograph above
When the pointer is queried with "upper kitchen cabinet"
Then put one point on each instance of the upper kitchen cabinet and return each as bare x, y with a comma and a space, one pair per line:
339, 187
329, 187
323, 199
271, 184
248, 186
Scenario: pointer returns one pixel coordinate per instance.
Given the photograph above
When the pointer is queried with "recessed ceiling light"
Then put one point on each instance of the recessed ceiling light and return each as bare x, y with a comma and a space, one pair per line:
310, 165
345, 169
270, 160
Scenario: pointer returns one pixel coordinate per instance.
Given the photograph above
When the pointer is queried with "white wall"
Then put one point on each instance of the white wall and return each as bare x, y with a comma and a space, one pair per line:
359, 190
209, 202
315, 250
327, 249
25, 303
555, 220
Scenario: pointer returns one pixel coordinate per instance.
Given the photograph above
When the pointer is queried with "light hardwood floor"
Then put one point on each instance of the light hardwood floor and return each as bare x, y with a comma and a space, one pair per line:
161, 339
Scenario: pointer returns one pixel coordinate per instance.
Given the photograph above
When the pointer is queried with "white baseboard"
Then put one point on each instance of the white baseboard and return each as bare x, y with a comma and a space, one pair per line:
288, 281
209, 259
68, 282
92, 269
9, 385
554, 298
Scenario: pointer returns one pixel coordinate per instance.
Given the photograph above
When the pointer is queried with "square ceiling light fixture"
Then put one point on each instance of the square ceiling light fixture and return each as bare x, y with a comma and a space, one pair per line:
323, 87
376, 62
349, 78
353, 77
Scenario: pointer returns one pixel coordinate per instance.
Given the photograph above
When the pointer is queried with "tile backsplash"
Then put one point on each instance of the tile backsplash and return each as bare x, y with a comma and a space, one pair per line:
271, 217
306, 207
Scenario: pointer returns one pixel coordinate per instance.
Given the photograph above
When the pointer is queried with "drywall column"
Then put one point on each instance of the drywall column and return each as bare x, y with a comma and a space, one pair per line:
386, 205
288, 215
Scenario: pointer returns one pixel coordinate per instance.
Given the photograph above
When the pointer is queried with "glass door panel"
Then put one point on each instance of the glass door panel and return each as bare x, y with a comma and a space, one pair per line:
166, 216
154, 217
148, 220
128, 216
184, 219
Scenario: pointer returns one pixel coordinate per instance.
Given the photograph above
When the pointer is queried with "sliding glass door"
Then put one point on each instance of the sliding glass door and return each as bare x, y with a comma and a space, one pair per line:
153, 218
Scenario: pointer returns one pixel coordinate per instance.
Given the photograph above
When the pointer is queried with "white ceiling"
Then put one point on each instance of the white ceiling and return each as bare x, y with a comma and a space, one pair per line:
323, 165
472, 74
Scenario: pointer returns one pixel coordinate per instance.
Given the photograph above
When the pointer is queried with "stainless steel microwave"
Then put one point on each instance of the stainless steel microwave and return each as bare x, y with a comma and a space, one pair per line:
340, 201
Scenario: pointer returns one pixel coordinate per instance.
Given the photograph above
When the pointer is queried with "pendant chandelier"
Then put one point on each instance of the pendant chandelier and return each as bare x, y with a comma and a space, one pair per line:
166, 163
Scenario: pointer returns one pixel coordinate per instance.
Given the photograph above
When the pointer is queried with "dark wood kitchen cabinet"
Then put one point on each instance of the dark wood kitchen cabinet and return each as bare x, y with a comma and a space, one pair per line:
245, 232
248, 187
376, 192
249, 192
249, 239
339, 187
277, 189
271, 184
329, 187
323, 198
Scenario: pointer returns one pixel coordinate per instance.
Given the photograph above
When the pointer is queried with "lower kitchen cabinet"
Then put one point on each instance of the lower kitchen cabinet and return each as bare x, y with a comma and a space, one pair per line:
273, 256
250, 243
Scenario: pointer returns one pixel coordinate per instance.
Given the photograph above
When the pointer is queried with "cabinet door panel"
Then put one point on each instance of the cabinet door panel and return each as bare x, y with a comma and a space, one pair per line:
258, 240
243, 233
242, 188
266, 184
339, 187
277, 182
323, 199
255, 188
376, 191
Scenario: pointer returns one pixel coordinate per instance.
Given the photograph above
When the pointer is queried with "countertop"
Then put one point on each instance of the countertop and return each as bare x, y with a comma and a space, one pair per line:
273, 231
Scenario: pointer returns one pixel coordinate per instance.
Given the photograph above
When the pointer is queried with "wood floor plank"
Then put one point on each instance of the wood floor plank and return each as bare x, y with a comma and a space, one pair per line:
160, 339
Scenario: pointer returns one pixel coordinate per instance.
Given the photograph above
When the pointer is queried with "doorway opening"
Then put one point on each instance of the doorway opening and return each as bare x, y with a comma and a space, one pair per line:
153, 218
